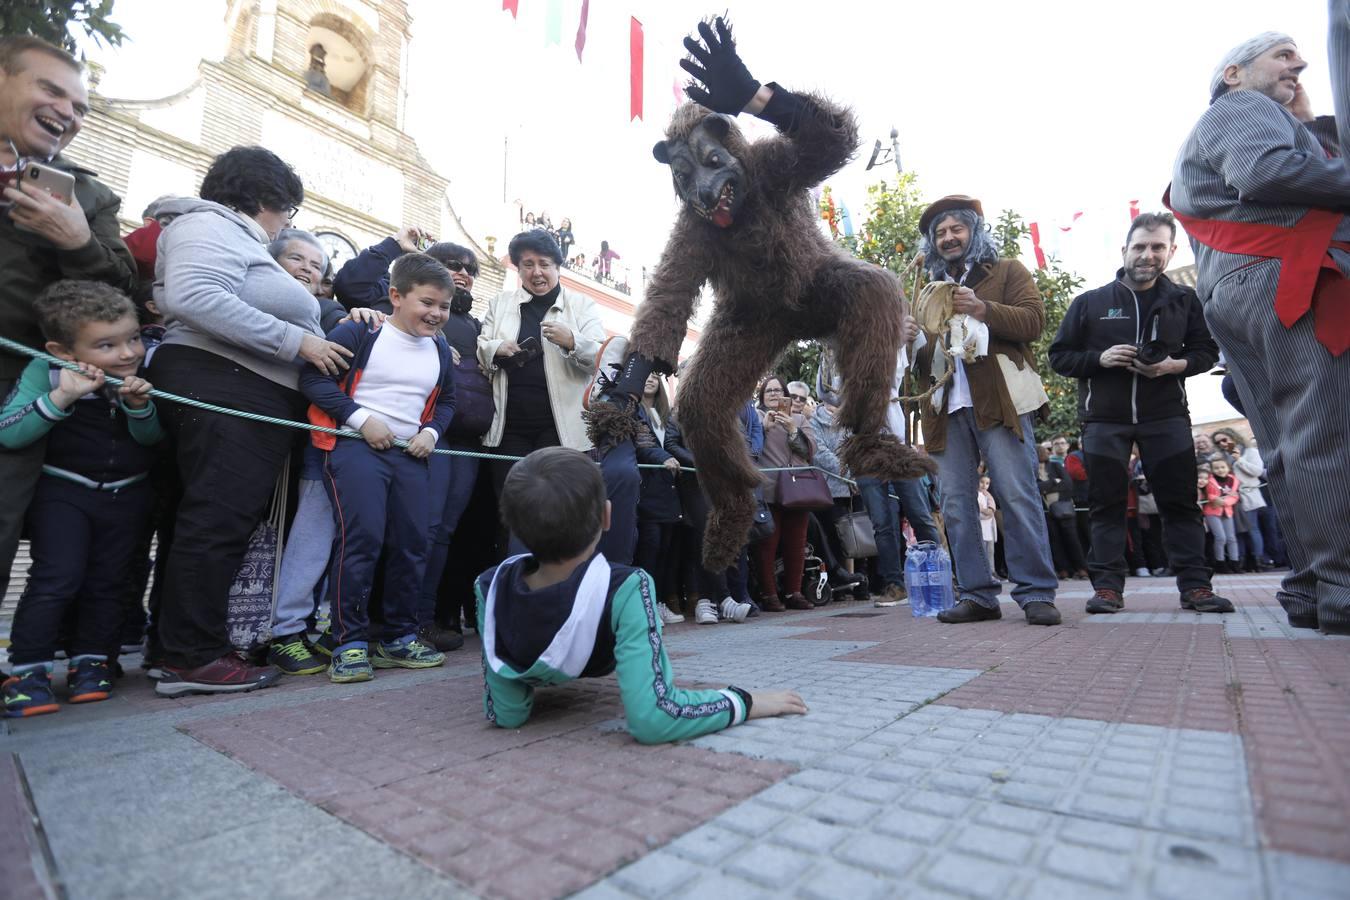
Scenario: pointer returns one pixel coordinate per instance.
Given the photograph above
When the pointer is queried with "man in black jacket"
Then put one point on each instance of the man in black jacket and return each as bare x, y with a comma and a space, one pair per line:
1131, 344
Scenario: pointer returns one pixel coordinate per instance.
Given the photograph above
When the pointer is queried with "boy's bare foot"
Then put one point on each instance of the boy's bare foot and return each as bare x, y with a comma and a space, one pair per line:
776, 703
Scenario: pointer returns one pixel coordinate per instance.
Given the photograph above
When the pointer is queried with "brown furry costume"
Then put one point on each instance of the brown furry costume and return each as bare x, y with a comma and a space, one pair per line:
777, 279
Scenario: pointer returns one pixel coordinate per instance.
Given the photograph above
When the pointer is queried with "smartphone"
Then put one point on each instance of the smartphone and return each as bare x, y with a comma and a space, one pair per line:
785, 406
60, 185
529, 345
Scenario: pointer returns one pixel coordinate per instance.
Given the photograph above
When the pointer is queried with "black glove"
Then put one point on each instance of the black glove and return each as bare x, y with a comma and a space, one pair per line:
724, 84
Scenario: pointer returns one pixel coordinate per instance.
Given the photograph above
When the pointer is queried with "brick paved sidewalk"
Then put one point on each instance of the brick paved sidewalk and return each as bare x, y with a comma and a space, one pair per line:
1153, 753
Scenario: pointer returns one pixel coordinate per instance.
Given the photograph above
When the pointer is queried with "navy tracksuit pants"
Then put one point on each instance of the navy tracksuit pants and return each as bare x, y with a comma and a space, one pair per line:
380, 503
83, 543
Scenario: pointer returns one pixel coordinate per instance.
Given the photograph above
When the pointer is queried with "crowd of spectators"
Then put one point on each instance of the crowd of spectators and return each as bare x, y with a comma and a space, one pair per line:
219, 299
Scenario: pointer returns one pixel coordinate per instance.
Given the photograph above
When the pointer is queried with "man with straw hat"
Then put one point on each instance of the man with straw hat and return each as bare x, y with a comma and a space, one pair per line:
986, 393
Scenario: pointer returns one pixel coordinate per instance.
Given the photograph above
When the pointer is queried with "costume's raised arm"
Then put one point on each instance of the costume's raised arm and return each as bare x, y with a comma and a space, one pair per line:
817, 137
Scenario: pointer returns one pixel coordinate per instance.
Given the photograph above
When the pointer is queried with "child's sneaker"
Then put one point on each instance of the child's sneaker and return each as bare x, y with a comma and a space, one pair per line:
352, 664
733, 611
326, 643
408, 653
704, 614
293, 656
668, 617
28, 694
89, 680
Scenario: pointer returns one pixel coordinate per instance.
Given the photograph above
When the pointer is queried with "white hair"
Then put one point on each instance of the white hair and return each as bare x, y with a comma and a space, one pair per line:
1243, 54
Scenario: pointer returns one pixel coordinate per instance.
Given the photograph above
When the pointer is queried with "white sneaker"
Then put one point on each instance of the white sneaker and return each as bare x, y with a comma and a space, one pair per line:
704, 614
734, 611
667, 616
1141, 572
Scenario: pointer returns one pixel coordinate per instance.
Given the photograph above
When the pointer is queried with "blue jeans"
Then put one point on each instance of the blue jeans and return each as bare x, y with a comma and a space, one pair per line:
451, 477
1012, 472
1253, 517
885, 513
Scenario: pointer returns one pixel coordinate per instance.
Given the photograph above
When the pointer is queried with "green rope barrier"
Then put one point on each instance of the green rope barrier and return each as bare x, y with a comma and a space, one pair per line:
16, 347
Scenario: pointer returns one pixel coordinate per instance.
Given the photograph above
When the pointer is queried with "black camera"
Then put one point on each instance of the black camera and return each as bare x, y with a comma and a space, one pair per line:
1150, 353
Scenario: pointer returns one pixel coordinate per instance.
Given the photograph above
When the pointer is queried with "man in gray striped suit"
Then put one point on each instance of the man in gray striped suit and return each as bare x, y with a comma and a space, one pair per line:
1262, 202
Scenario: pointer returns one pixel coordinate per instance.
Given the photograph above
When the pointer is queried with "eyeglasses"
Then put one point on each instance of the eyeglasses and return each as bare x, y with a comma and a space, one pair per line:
798, 398
292, 211
455, 265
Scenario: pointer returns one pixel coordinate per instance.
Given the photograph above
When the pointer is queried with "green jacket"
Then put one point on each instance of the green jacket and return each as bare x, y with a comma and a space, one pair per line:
30, 263
606, 622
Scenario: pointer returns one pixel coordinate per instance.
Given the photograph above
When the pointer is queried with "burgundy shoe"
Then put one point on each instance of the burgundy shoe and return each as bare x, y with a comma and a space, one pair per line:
229, 674
771, 603
798, 601
1106, 600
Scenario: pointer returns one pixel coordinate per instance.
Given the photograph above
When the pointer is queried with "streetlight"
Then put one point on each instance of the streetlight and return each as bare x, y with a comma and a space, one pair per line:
880, 156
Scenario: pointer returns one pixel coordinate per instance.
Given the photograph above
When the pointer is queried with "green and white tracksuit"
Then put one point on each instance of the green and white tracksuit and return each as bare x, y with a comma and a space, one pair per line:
601, 619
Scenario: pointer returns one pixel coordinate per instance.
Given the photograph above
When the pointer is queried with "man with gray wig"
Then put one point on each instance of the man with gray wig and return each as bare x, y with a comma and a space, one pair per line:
985, 409
1263, 203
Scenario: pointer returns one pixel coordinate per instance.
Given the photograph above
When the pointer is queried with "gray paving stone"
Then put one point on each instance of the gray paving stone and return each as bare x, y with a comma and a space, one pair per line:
708, 844
841, 810
969, 876
1110, 870
770, 866
832, 880
752, 818
657, 874
810, 835
879, 853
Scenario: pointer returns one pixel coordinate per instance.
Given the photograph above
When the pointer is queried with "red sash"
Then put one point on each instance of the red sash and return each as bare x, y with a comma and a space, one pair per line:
1309, 278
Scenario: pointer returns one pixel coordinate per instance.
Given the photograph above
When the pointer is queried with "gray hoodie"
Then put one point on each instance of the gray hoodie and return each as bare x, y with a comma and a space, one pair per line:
220, 291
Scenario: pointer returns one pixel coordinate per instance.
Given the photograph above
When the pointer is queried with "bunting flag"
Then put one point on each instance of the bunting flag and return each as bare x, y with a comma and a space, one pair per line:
1035, 228
553, 23
634, 69
1134, 210
581, 29
1066, 228
511, 6
847, 220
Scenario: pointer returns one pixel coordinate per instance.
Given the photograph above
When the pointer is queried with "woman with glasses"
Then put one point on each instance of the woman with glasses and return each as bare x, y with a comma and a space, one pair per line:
787, 442
238, 329
539, 344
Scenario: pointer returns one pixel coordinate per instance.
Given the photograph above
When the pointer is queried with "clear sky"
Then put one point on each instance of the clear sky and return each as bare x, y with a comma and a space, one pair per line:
1046, 106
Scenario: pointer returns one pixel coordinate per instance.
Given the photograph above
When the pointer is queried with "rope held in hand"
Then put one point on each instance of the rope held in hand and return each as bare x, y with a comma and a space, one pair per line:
7, 344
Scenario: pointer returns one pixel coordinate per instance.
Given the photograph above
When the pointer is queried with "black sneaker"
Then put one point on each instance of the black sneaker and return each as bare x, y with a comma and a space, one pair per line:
1203, 600
443, 639
326, 644
969, 611
1106, 600
294, 656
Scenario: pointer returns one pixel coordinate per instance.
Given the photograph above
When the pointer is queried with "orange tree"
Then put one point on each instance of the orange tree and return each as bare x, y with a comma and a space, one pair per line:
890, 238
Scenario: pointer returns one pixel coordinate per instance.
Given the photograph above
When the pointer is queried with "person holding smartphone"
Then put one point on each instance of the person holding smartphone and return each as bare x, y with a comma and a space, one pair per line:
539, 345
787, 442
57, 221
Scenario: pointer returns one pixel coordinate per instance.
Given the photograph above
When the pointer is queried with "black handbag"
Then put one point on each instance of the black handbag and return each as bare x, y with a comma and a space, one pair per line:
761, 526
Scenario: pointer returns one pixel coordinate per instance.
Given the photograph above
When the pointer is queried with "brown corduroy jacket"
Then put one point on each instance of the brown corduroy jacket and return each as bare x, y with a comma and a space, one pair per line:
1016, 317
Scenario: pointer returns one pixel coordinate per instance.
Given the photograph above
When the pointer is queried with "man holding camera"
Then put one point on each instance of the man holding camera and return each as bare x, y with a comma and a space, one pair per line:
1131, 344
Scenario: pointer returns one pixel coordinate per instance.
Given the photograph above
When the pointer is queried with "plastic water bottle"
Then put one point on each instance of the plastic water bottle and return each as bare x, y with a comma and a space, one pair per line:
939, 570
916, 577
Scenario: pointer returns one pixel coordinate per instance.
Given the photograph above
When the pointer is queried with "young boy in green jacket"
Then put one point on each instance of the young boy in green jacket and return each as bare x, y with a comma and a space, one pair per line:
562, 611
93, 498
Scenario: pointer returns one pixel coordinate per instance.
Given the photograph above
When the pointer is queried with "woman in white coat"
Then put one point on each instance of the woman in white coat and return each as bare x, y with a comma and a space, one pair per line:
539, 343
